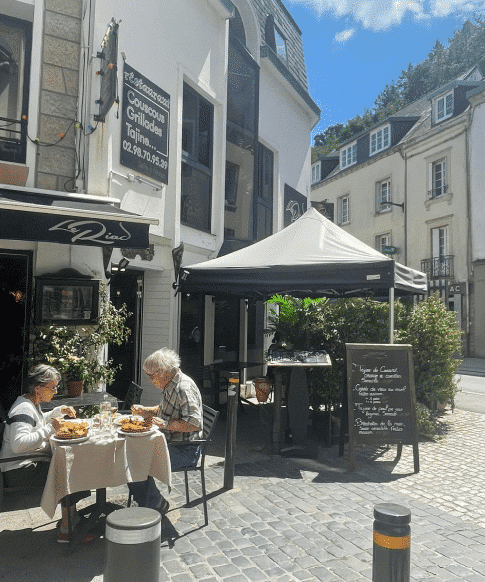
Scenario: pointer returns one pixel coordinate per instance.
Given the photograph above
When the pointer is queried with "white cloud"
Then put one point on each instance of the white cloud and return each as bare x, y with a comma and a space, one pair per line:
446, 7
344, 35
382, 14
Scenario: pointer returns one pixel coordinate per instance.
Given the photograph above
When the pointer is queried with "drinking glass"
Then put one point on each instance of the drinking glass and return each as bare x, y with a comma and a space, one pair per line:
96, 424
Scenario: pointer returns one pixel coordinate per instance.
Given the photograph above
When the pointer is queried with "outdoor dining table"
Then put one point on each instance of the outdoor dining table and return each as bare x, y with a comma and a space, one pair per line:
103, 460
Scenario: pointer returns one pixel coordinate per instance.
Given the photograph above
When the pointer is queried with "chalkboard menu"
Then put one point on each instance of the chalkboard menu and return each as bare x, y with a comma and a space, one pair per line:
381, 396
145, 121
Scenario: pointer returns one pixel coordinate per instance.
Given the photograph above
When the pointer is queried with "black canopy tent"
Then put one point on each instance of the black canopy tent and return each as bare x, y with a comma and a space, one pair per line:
312, 257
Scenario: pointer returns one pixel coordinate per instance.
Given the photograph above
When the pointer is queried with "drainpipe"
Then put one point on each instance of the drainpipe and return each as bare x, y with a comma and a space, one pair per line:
404, 157
469, 227
405, 210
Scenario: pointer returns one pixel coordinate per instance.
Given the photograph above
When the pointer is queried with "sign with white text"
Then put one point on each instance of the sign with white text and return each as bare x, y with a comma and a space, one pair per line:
145, 123
381, 395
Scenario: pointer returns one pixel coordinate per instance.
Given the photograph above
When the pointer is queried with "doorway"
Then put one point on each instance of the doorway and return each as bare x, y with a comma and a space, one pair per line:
127, 288
191, 347
15, 293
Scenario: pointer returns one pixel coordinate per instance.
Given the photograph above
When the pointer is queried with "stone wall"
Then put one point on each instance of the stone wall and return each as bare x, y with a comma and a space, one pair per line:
56, 165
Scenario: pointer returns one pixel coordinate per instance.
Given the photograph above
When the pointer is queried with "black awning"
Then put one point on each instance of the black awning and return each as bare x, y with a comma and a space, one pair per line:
74, 219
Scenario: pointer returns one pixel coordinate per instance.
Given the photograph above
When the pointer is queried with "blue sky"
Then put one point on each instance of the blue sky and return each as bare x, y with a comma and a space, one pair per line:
354, 47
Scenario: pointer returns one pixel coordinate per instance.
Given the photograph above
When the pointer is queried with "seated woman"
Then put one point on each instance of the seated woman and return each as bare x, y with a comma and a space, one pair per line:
28, 430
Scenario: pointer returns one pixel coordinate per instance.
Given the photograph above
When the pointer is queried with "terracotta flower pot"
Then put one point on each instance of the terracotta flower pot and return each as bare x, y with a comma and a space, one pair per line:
75, 388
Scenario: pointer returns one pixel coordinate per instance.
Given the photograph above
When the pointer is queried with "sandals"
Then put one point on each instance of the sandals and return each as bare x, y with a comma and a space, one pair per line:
163, 506
65, 538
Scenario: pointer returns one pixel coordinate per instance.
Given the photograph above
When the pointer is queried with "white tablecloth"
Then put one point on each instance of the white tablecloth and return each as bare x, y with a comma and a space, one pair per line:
104, 462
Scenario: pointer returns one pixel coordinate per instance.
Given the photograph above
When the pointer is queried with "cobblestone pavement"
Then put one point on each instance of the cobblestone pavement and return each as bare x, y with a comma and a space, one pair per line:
293, 519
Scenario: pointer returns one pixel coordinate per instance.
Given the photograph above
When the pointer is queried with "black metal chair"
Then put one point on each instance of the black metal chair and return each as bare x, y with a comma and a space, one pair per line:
210, 417
38, 457
133, 396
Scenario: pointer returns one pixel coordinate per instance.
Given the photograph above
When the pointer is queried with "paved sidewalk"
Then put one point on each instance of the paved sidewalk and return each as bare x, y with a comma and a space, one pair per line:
472, 367
291, 519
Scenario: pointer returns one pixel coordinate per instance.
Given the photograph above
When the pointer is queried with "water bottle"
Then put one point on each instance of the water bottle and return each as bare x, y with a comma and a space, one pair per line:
105, 411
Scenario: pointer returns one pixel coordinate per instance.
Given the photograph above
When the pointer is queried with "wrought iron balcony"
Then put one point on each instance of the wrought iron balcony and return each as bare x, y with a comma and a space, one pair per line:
439, 191
13, 140
438, 267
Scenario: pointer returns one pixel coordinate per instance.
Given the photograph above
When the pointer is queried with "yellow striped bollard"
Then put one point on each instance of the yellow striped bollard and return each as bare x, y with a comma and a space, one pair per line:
392, 543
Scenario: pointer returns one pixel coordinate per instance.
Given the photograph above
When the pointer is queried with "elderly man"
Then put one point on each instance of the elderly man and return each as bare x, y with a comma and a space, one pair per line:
179, 414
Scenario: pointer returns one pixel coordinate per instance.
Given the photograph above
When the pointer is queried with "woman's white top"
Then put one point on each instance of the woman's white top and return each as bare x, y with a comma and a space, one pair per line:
30, 432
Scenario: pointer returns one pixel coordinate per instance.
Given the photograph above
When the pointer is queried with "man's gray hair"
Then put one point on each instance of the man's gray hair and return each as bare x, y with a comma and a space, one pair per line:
162, 360
40, 376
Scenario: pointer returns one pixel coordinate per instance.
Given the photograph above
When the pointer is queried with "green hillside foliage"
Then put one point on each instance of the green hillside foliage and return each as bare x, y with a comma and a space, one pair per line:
465, 49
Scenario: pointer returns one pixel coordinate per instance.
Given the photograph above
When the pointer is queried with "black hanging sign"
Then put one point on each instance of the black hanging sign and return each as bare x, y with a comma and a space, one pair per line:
145, 123
295, 205
381, 396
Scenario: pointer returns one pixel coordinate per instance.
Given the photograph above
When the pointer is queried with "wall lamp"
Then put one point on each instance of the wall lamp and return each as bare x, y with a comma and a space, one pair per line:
117, 268
140, 180
394, 204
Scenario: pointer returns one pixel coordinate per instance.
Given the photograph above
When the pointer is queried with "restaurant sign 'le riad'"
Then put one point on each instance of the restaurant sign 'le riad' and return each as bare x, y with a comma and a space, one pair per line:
145, 123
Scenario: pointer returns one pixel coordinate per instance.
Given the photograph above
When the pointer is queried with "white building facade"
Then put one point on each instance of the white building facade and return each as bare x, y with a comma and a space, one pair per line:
189, 120
410, 187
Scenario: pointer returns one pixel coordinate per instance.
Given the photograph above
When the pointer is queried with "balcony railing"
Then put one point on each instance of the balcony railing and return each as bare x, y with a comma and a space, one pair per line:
437, 191
438, 267
13, 140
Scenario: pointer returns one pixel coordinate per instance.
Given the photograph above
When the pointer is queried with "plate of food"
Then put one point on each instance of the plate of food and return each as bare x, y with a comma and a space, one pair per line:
72, 431
119, 418
70, 441
136, 426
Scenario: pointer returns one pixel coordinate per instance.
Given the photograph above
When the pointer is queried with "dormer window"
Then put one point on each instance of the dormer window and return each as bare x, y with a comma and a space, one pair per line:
380, 140
348, 155
443, 107
280, 44
316, 172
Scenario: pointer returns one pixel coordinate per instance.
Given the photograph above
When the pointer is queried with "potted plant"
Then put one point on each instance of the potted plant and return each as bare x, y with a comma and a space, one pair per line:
74, 373
77, 352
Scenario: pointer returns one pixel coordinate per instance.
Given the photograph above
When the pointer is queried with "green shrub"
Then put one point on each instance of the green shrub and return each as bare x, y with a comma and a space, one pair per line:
329, 324
432, 331
428, 424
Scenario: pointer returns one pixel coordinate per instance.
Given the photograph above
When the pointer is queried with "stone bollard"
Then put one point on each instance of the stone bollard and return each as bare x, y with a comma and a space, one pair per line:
392, 543
133, 538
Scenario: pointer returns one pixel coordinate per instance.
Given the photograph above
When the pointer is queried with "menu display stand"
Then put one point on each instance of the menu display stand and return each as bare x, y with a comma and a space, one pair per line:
298, 401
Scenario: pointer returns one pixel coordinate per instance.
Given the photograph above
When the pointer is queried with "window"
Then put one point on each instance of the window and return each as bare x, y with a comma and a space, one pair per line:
241, 189
383, 241
383, 195
443, 107
316, 173
379, 140
280, 45
348, 155
15, 46
197, 130
438, 178
343, 210
439, 252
